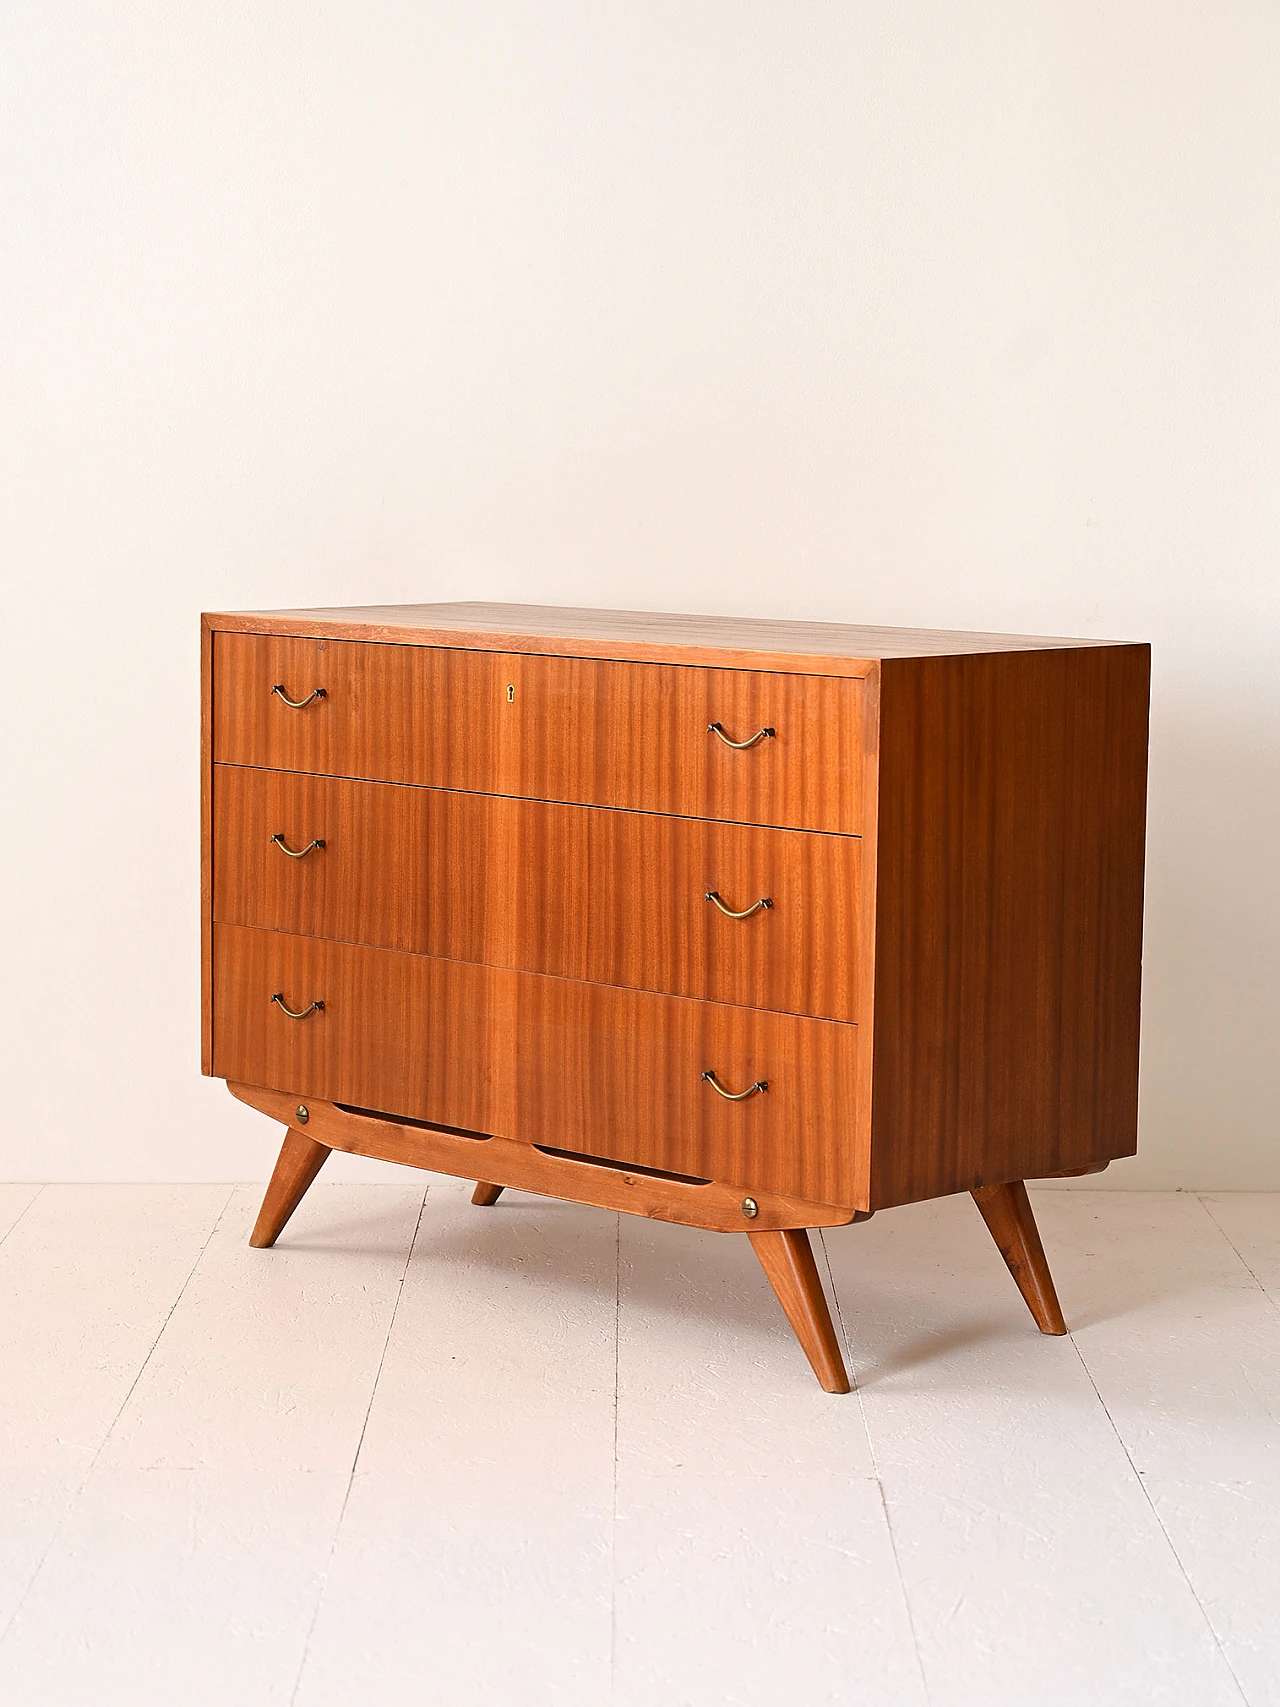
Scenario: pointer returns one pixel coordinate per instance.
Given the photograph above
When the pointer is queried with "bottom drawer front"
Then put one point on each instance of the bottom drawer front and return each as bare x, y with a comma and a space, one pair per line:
401, 1033
572, 1066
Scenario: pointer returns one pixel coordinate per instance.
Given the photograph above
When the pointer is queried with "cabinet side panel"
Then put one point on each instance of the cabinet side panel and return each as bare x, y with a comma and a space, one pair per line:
1011, 831
206, 846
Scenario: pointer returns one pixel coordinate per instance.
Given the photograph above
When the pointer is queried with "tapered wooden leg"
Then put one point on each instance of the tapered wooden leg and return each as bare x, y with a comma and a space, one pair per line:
484, 1195
298, 1163
787, 1260
1007, 1213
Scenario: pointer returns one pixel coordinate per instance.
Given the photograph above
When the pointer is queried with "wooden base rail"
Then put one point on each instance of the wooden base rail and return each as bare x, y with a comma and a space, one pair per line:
714, 1206
777, 1226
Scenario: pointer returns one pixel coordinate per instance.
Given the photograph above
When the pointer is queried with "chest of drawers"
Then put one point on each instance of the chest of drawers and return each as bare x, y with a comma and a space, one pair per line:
755, 926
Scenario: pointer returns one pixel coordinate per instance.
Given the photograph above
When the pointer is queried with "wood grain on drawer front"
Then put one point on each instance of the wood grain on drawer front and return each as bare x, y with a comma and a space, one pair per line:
570, 729
637, 735
568, 1065
574, 891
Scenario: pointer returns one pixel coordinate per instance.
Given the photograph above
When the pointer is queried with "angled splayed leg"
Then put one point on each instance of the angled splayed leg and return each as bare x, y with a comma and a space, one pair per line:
1006, 1210
484, 1195
298, 1163
787, 1260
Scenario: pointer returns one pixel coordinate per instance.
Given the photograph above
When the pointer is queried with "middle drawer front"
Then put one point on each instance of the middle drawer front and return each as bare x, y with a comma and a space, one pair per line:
574, 891
549, 1061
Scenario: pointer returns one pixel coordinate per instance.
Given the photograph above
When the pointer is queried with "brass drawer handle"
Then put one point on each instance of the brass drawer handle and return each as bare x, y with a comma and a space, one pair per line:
714, 895
760, 735
731, 1096
301, 852
305, 1013
298, 704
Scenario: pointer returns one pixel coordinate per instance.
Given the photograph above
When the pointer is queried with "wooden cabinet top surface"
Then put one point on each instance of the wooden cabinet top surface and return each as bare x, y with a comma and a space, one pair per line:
820, 648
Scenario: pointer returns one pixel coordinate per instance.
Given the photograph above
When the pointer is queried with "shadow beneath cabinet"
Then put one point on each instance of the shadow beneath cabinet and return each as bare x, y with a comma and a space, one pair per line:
924, 1296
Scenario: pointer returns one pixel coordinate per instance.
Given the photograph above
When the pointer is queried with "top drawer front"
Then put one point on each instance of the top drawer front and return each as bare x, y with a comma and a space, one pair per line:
573, 729
343, 708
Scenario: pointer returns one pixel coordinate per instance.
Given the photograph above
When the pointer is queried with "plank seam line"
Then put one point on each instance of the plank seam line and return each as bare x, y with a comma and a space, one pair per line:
1146, 1494
22, 1212
1257, 1280
351, 1477
142, 1369
875, 1465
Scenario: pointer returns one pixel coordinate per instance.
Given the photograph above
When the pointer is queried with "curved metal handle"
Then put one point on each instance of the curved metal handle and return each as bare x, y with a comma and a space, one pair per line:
302, 852
734, 1096
315, 1008
760, 735
714, 895
298, 704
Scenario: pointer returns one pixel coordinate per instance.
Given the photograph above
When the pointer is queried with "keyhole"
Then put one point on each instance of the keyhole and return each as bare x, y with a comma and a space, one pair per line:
511, 692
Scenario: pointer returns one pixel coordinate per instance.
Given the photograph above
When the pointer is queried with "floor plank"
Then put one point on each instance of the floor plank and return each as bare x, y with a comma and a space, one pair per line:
271, 1359
1034, 1565
190, 1566
1184, 1348
88, 1275
472, 1565
754, 1562
168, 1587
580, 1436
1251, 1221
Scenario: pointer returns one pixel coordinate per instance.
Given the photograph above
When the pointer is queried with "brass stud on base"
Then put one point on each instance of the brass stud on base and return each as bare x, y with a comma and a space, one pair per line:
750, 1208
302, 1114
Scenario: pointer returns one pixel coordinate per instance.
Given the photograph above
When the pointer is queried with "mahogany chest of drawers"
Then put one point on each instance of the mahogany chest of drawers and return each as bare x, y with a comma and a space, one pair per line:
755, 926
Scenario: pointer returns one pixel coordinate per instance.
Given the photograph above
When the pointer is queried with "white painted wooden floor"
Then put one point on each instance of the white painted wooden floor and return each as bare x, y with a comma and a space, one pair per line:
425, 1453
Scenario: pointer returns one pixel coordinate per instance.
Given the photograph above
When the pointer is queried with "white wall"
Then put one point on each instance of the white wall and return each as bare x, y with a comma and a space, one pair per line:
959, 314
